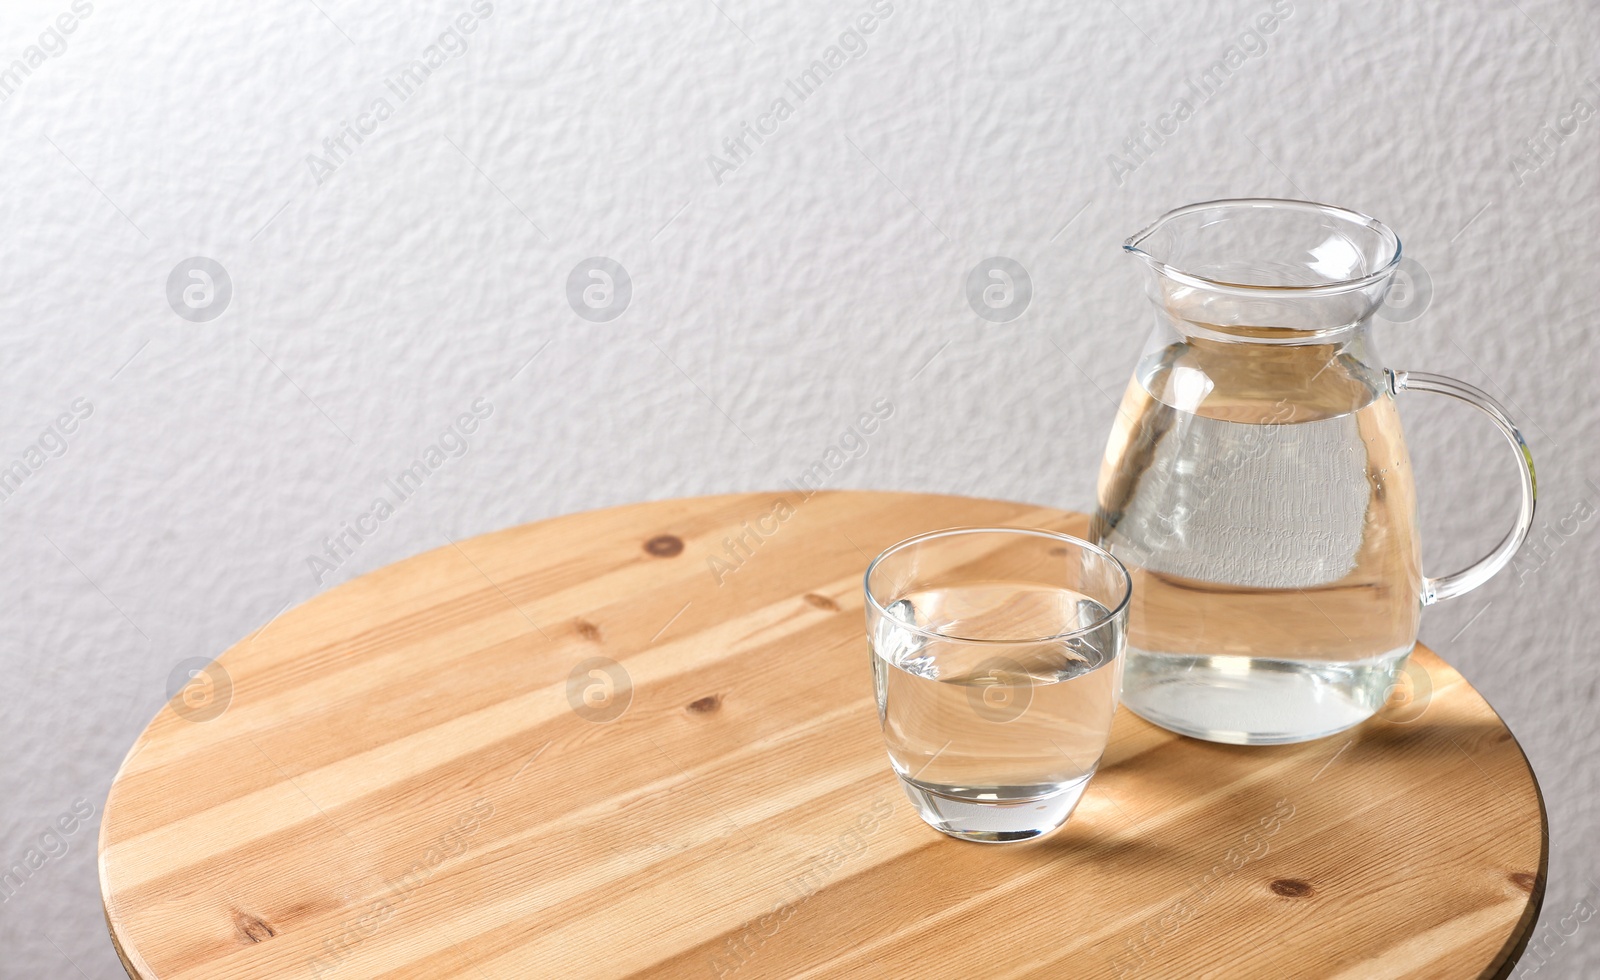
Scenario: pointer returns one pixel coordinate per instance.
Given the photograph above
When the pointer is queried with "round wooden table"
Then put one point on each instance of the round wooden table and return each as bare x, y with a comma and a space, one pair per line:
643, 740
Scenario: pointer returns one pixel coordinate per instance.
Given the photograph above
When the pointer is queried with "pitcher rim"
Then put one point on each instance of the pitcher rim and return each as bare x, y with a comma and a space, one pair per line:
1133, 242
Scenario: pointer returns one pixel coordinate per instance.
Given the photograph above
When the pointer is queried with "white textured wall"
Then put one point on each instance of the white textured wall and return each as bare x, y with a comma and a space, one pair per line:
767, 311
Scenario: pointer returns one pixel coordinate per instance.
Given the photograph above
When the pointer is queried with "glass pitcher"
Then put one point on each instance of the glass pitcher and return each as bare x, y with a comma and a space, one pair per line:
1256, 483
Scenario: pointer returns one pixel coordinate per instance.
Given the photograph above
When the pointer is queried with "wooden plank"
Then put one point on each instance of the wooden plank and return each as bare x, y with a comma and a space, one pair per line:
401, 786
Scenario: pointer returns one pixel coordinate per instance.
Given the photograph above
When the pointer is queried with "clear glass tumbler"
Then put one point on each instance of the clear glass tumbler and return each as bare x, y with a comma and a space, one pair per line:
997, 660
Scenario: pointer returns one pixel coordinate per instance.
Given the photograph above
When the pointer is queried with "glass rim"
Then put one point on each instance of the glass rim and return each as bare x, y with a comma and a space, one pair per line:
1133, 242
1112, 612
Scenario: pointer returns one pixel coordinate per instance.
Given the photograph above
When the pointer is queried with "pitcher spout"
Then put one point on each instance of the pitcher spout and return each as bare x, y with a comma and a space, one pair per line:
1267, 270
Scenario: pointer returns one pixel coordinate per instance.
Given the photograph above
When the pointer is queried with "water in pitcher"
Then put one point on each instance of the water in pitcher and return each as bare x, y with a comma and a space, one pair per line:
1022, 724
1262, 500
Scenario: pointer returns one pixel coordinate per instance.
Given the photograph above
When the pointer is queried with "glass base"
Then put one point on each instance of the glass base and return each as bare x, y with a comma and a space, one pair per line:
1256, 700
999, 819
1228, 736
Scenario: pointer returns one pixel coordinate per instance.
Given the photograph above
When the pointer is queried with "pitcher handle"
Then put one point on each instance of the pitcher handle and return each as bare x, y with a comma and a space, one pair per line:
1480, 571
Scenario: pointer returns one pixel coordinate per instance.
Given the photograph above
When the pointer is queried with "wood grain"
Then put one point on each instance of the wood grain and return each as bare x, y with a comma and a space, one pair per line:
408, 781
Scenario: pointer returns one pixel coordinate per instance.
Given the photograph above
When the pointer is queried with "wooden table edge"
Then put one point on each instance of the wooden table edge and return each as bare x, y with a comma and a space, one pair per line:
116, 943
1511, 953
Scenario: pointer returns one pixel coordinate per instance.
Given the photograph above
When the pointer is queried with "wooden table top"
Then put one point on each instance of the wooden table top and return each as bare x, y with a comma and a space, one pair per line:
622, 742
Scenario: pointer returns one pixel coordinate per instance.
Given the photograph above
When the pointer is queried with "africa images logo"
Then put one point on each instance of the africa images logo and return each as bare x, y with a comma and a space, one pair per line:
403, 84
999, 289
52, 43
849, 46
599, 690
199, 289
599, 289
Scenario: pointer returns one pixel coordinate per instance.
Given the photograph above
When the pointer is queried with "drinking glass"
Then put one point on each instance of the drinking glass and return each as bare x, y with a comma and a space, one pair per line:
997, 658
